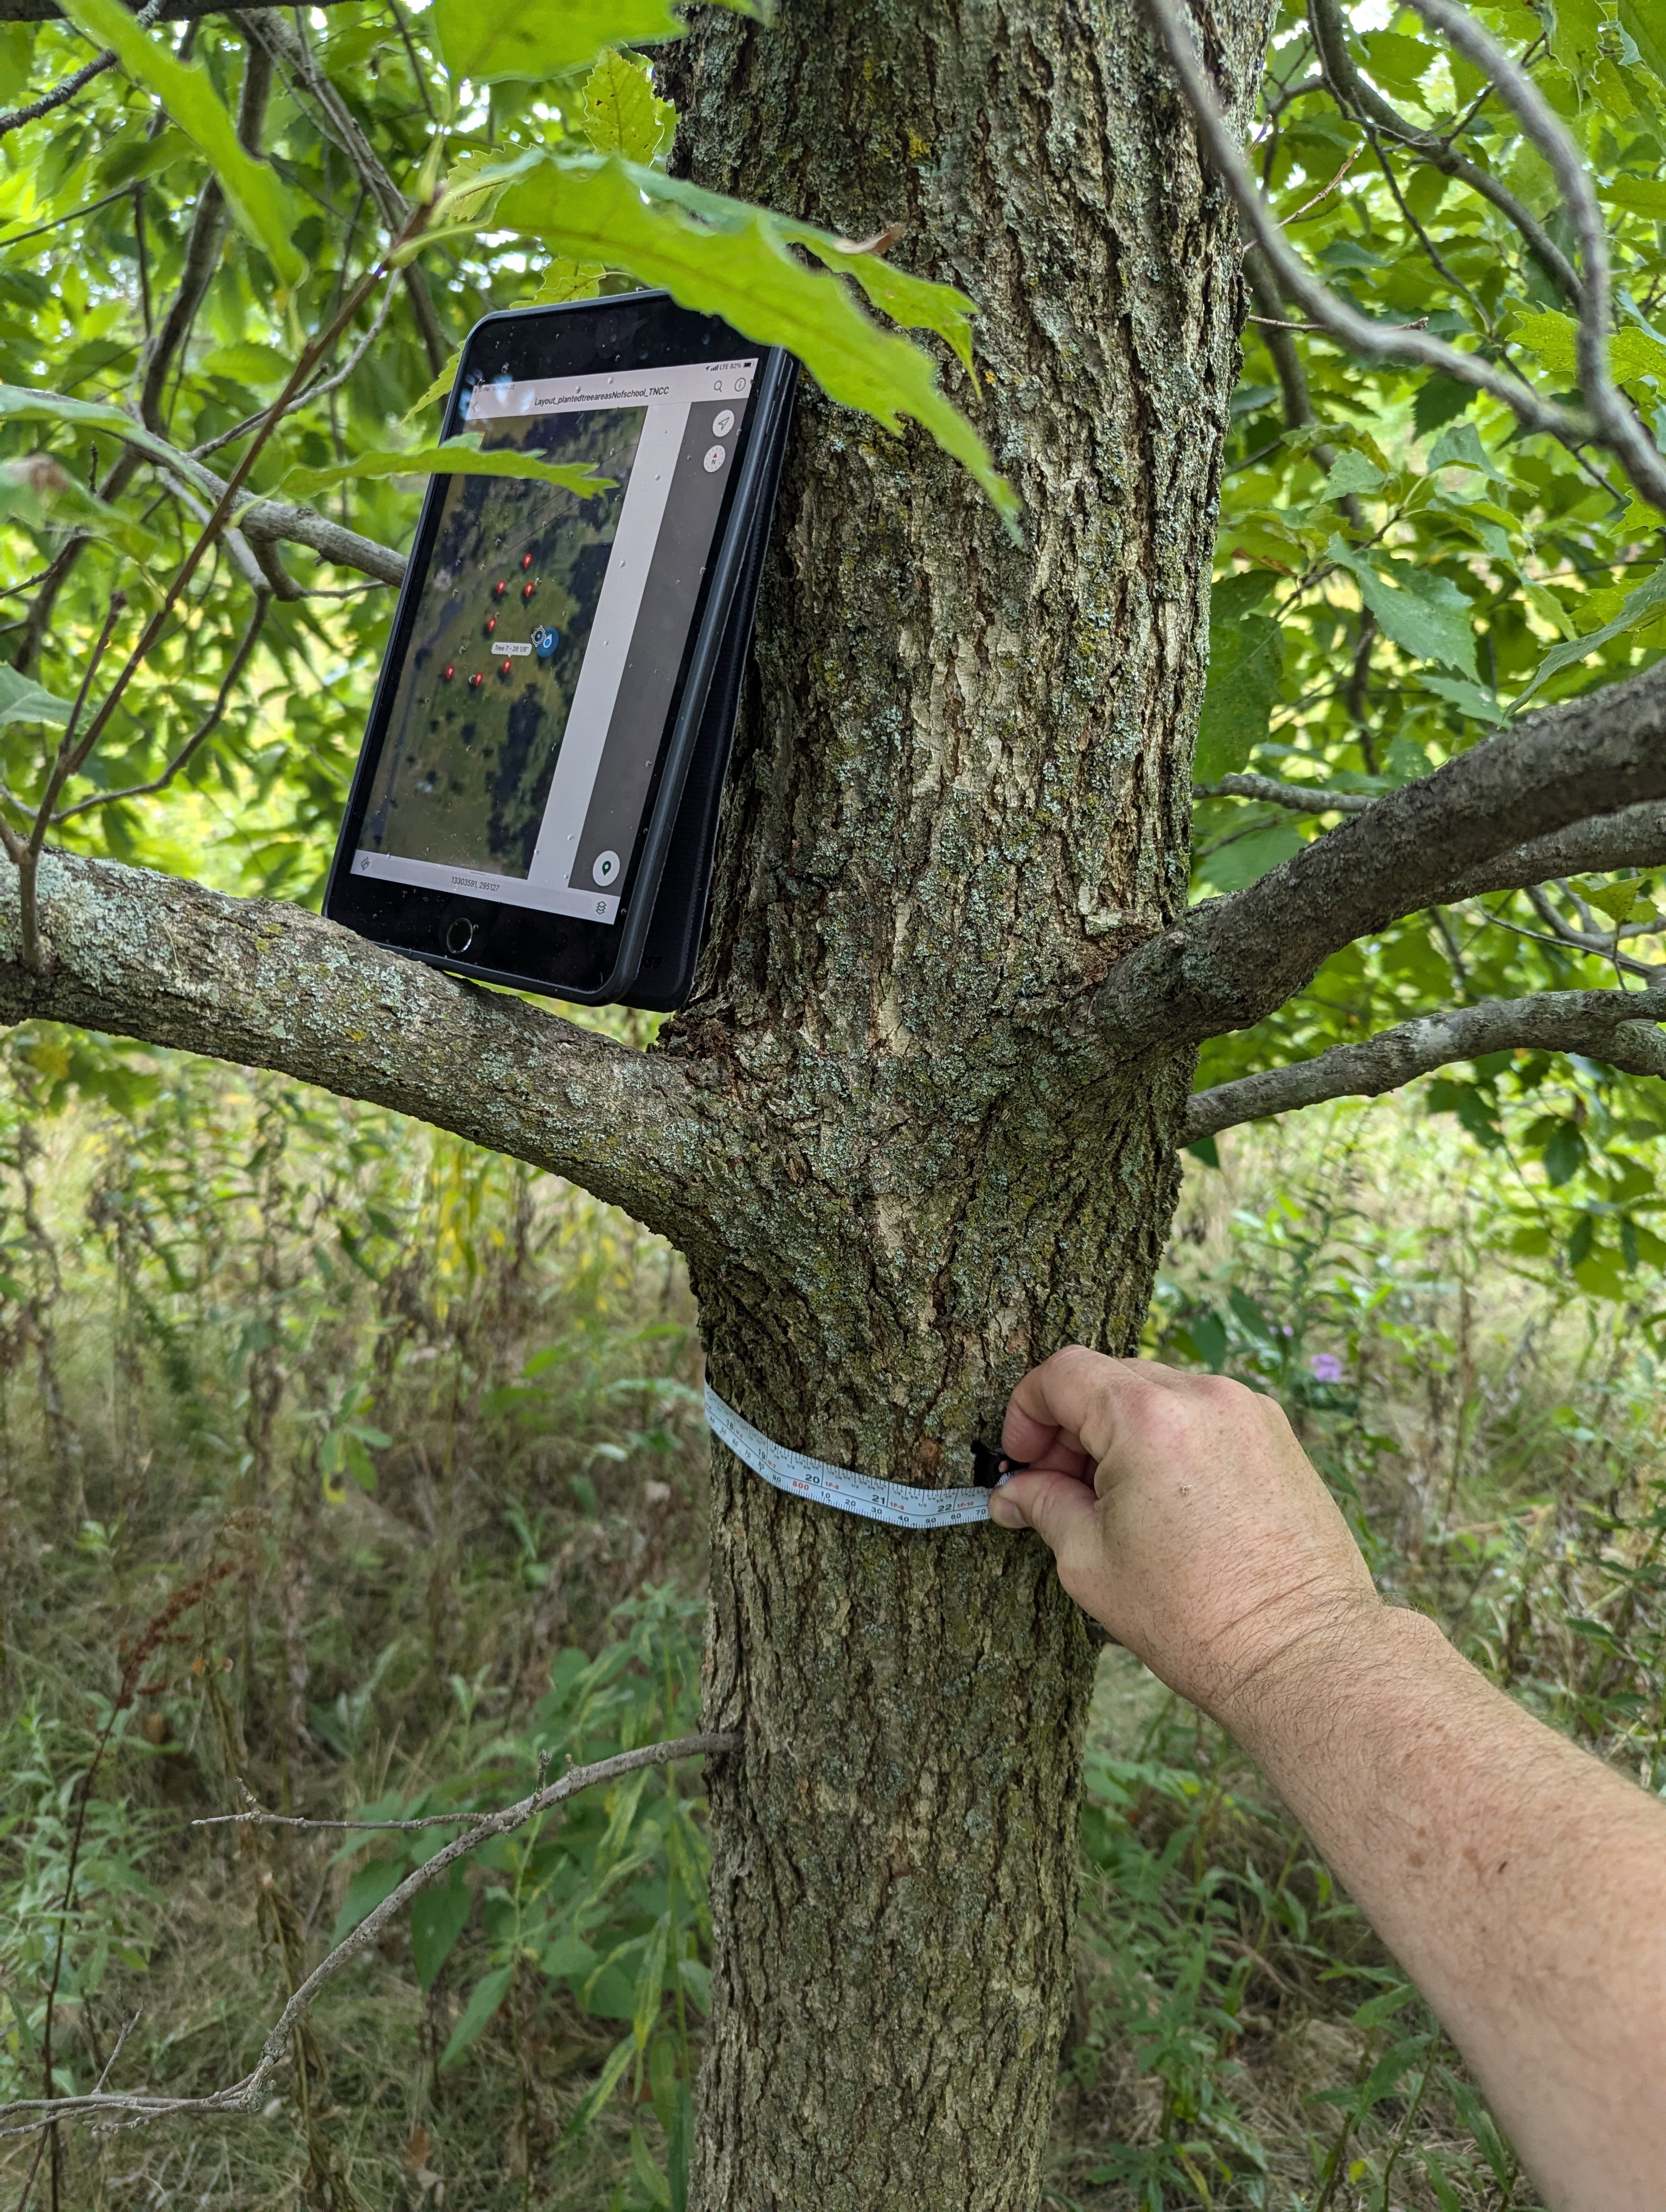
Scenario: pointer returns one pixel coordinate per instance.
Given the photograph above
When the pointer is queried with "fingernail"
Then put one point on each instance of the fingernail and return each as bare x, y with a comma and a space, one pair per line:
1002, 1481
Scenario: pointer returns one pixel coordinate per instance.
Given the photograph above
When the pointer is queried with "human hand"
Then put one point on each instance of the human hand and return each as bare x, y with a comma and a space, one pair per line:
1185, 1516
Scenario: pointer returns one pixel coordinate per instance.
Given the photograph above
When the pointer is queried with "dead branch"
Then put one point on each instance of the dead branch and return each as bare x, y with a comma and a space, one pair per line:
1231, 960
242, 2096
1617, 1027
1610, 418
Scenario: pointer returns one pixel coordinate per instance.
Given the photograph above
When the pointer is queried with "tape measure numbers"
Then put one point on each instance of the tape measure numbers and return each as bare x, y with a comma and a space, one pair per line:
899, 1503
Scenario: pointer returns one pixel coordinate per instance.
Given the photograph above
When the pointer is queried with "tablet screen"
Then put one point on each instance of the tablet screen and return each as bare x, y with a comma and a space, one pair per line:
548, 638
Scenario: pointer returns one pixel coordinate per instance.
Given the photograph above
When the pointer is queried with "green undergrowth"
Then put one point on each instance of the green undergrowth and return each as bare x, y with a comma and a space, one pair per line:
353, 1470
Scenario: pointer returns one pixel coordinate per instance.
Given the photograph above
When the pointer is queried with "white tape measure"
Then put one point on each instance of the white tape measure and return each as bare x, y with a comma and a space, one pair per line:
898, 1503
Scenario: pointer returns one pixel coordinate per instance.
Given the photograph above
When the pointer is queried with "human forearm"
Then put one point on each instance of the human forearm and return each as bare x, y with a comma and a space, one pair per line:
1521, 1885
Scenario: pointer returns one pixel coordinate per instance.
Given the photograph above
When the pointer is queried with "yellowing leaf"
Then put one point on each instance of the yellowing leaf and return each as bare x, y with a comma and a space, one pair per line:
620, 113
1631, 352
259, 206
565, 280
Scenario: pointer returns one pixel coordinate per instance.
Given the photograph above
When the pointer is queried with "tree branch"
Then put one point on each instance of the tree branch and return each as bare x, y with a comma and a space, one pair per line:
285, 47
1613, 1026
1299, 798
142, 955
1231, 960
1361, 99
1611, 419
1634, 837
267, 519
243, 2096
58, 96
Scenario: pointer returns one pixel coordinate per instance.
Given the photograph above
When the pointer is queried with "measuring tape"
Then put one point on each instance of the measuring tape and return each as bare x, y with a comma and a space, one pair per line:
898, 1503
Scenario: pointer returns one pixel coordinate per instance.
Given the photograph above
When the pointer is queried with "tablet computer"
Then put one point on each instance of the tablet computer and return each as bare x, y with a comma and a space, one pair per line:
535, 800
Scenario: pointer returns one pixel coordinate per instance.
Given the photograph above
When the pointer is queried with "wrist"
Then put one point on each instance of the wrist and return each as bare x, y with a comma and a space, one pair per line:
1321, 1666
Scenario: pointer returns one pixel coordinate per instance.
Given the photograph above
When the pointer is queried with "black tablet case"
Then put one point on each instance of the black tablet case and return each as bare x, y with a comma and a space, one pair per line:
672, 949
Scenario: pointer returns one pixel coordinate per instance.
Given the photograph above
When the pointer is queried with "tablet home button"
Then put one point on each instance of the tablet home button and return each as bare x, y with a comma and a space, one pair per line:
459, 935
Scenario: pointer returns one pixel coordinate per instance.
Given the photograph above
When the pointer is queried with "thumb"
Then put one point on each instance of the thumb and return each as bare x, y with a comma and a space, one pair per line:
1058, 1507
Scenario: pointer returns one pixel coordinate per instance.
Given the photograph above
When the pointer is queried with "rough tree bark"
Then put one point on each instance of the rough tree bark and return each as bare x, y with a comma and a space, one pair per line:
961, 791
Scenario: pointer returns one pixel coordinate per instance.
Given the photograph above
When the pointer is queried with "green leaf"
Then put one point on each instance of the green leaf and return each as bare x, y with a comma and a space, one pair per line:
248, 364
1246, 658
620, 112
1460, 448
457, 457
657, 2184
565, 280
1438, 400
726, 258
437, 1920
1553, 338
1425, 614
1564, 1154
1638, 195
1648, 598
23, 700
40, 492
1643, 22
369, 1886
1618, 901
259, 206
568, 1956
488, 1993
606, 2083
1468, 698
1574, 39
1352, 472
489, 41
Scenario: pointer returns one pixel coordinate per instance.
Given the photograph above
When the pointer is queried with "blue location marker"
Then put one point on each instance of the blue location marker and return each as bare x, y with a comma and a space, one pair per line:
545, 641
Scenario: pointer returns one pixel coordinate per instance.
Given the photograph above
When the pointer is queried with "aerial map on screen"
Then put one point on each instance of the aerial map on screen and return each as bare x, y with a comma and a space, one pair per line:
550, 632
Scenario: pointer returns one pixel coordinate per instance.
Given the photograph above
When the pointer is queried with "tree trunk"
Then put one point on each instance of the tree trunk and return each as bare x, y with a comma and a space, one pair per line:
960, 790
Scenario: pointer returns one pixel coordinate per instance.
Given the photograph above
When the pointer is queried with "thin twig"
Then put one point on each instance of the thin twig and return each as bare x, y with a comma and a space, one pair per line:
16, 116
1610, 419
204, 729
227, 502
243, 2096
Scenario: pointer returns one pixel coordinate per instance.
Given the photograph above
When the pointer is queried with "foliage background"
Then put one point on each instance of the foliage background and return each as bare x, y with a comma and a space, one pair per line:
434, 1416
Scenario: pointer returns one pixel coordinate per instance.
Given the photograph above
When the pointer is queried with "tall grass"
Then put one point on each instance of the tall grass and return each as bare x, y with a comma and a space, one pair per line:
347, 1466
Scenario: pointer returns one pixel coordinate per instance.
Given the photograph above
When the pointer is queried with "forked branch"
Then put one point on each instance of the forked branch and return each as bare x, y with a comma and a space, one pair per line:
1611, 419
1231, 960
1617, 1027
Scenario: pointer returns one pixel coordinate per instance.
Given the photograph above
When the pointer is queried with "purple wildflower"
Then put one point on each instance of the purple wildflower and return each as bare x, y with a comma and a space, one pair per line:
1327, 1367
